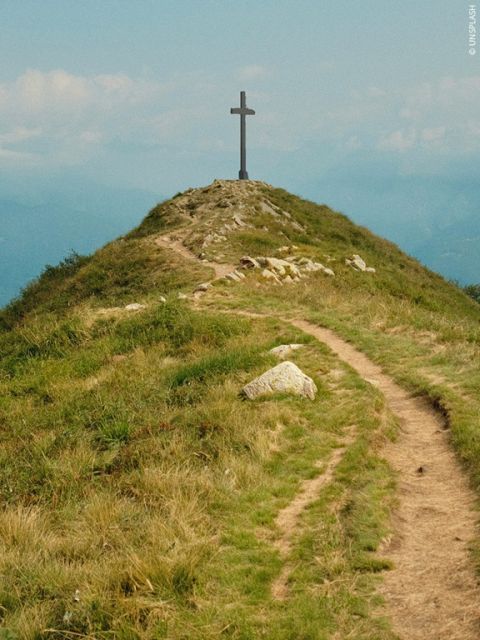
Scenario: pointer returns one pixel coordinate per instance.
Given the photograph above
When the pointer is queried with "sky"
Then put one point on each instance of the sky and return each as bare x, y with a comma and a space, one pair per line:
136, 94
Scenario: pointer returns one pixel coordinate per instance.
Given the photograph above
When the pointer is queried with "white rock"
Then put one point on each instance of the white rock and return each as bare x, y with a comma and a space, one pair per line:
269, 275
286, 377
249, 263
288, 279
283, 350
134, 306
356, 262
203, 287
314, 266
238, 221
277, 265
294, 271
239, 274
232, 276
370, 269
329, 271
162, 299
182, 296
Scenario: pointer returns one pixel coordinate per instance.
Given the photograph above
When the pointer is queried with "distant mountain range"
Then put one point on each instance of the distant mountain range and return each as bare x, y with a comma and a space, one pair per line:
434, 219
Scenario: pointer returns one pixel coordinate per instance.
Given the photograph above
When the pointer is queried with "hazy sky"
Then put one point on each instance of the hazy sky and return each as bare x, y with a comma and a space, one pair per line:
138, 92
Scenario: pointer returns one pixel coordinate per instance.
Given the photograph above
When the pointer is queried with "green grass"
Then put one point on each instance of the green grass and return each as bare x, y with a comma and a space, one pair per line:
126, 269
140, 489
149, 505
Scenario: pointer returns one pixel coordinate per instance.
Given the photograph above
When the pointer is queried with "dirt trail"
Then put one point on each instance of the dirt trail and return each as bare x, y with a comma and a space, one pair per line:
432, 592
287, 518
174, 244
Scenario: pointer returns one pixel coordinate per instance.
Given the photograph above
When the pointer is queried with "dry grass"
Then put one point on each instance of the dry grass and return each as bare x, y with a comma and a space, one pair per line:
140, 492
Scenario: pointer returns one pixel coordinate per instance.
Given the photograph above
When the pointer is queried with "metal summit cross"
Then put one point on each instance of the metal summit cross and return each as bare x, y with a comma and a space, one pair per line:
243, 111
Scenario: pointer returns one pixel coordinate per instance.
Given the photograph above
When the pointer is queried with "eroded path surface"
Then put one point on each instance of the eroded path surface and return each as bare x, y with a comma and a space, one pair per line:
287, 518
432, 592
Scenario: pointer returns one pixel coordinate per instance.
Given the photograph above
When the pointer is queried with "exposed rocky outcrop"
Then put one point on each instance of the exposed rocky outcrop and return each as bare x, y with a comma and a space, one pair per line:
289, 269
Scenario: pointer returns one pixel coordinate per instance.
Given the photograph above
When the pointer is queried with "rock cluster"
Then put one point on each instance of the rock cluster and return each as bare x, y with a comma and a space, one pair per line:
286, 377
358, 264
286, 270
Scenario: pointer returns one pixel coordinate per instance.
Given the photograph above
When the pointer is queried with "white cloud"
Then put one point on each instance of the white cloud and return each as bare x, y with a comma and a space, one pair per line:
36, 90
433, 134
90, 137
10, 158
36, 93
19, 134
252, 72
441, 114
353, 143
400, 140
115, 83
376, 92
62, 116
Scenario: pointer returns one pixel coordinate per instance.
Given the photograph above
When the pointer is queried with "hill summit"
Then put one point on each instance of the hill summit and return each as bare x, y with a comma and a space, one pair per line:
163, 475
217, 226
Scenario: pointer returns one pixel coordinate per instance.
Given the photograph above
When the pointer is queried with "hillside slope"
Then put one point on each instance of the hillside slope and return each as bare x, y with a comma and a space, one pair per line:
145, 498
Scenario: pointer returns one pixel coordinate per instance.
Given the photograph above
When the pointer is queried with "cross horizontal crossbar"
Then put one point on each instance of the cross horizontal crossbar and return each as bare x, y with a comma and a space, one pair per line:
242, 111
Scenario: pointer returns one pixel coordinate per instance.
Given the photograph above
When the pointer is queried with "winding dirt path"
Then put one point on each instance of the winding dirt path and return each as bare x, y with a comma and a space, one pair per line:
287, 518
432, 592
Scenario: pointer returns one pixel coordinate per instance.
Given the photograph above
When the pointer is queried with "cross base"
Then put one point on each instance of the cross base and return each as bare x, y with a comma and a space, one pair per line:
242, 175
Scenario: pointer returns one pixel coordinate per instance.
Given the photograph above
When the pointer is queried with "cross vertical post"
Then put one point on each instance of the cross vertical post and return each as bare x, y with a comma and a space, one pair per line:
243, 111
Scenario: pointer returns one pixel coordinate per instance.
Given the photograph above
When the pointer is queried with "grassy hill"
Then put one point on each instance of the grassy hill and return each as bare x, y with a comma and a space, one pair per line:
140, 490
